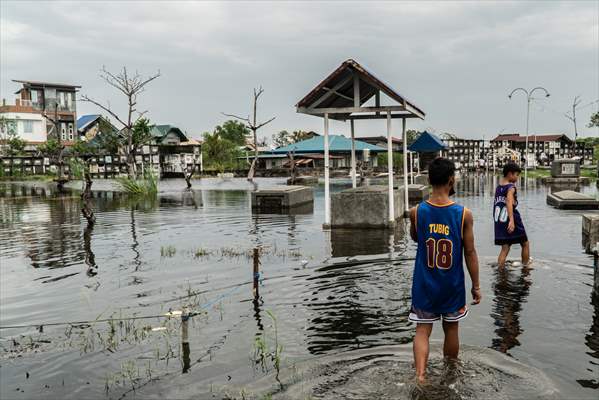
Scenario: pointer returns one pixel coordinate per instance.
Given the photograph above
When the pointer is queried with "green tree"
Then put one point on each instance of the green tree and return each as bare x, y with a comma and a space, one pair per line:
219, 153
412, 136
51, 149
82, 148
233, 131
397, 160
594, 123
109, 142
13, 145
284, 138
141, 133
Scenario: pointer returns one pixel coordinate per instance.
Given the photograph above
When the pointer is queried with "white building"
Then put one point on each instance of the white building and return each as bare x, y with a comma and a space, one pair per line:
31, 127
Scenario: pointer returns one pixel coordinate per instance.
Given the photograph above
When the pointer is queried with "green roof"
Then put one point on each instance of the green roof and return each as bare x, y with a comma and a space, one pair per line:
160, 131
337, 143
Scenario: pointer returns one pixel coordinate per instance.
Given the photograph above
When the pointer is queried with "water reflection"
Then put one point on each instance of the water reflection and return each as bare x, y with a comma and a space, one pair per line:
90, 258
511, 288
592, 341
357, 304
355, 242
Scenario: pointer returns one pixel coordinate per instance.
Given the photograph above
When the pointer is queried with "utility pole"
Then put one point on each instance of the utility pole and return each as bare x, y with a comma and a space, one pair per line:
572, 118
528, 100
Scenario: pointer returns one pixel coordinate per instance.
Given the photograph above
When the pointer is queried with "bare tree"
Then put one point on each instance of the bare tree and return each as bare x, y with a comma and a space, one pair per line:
131, 86
59, 151
572, 118
254, 126
187, 171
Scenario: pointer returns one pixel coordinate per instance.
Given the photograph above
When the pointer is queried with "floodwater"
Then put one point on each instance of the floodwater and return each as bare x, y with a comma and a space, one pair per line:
335, 302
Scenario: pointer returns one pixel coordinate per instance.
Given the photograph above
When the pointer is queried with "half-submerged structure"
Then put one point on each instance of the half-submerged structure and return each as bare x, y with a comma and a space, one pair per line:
343, 96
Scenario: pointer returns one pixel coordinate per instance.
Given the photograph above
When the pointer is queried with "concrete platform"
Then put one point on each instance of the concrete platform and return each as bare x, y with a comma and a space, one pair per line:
581, 180
421, 179
304, 180
590, 233
282, 198
569, 199
416, 192
365, 207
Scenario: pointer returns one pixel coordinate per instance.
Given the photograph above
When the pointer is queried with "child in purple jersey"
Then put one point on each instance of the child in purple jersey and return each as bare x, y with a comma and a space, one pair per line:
509, 228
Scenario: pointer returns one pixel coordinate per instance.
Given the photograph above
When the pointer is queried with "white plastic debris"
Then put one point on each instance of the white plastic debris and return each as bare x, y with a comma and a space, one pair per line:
175, 313
159, 328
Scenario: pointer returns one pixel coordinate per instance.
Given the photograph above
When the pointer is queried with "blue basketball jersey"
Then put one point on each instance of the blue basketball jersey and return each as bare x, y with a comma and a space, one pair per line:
438, 284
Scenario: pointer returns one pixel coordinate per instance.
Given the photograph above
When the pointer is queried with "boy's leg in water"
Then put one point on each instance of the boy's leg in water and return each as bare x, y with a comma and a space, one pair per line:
451, 346
423, 332
525, 253
505, 249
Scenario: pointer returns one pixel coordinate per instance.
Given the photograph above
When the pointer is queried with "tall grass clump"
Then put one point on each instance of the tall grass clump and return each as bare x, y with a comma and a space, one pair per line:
147, 185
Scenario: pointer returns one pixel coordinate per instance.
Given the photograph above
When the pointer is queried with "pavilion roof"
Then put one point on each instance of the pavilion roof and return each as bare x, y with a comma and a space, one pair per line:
344, 92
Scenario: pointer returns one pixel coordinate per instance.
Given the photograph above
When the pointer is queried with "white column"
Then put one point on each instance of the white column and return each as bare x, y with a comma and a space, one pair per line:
411, 167
390, 168
405, 164
327, 194
353, 156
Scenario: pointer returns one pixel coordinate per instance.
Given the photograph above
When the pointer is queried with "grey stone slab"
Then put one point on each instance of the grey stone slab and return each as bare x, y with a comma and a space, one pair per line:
572, 200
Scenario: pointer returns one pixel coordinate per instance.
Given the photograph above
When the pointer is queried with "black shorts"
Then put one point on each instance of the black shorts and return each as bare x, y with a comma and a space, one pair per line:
515, 240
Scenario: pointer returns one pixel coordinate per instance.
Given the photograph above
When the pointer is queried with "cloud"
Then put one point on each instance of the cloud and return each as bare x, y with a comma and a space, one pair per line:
456, 60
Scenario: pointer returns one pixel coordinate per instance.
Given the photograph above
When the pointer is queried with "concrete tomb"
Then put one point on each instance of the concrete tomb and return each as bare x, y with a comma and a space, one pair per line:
565, 171
282, 198
365, 207
569, 199
417, 193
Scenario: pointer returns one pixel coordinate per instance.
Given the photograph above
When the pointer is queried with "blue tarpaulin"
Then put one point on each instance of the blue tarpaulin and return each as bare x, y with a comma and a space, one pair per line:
427, 143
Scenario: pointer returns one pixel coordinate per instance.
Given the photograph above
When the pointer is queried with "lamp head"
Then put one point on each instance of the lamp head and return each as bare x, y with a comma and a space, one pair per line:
509, 96
547, 95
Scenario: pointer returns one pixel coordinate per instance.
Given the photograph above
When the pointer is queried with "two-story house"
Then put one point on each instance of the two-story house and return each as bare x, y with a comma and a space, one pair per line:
41, 110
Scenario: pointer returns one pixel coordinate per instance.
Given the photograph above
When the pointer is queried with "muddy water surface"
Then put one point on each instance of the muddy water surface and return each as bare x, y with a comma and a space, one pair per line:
331, 294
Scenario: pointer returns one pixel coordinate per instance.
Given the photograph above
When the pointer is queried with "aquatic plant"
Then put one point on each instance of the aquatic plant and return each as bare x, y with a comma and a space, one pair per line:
147, 185
263, 354
167, 251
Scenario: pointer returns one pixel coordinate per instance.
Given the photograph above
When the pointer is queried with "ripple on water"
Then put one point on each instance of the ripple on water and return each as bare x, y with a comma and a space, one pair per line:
387, 373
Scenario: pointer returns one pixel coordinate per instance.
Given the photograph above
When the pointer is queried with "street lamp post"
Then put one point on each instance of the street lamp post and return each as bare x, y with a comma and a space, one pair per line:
528, 99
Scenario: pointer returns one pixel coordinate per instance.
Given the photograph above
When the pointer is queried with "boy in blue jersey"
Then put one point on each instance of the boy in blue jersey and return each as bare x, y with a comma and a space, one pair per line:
445, 235
509, 228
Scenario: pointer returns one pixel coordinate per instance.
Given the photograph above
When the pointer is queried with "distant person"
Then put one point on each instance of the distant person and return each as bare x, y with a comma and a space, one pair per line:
444, 232
509, 228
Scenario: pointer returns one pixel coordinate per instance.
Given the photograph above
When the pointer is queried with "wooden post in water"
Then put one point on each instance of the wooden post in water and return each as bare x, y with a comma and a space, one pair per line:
256, 273
185, 340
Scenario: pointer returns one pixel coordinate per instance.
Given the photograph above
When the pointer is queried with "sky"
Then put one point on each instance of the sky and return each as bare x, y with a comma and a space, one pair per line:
458, 61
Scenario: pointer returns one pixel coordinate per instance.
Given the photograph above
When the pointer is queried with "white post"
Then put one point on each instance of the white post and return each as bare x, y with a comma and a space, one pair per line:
390, 169
418, 164
405, 164
411, 168
526, 144
327, 195
353, 156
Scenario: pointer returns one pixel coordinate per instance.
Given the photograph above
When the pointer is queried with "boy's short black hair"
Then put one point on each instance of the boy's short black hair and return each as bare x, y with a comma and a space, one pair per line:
511, 167
440, 170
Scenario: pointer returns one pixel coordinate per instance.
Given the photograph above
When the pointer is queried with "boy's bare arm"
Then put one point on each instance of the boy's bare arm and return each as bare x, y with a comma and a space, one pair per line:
471, 256
413, 224
509, 203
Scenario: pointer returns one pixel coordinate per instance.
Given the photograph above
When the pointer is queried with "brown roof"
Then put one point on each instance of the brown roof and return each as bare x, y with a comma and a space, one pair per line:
341, 77
378, 138
540, 138
38, 83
